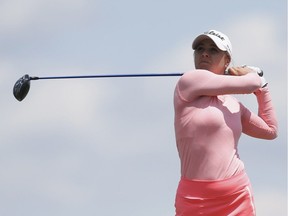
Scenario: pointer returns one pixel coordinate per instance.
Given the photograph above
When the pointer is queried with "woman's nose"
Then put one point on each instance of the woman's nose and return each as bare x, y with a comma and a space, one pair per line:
205, 54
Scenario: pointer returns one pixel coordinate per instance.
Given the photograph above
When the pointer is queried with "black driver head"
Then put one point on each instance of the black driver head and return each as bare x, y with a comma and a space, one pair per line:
21, 87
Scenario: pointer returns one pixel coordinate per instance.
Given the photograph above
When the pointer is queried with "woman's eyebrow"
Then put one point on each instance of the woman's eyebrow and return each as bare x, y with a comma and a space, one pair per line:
213, 44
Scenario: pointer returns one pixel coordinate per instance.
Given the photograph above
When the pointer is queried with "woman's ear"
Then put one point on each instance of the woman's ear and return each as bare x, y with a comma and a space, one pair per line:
228, 60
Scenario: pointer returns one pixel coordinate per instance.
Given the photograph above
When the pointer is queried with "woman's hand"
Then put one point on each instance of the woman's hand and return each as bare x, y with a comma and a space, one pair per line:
239, 71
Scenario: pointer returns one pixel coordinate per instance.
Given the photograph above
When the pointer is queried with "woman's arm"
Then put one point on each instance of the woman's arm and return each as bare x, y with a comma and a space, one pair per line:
205, 83
263, 125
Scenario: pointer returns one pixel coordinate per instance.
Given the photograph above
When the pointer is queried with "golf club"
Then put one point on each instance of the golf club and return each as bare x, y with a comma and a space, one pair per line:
22, 86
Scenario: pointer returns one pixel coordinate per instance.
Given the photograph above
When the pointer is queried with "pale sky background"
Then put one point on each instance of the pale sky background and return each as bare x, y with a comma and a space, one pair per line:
106, 146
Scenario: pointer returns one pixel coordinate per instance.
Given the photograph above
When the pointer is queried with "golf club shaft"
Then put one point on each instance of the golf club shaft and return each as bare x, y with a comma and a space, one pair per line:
108, 76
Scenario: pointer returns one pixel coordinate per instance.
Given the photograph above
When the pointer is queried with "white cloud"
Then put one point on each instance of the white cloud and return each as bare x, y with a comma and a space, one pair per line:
16, 13
256, 39
179, 58
17, 16
271, 203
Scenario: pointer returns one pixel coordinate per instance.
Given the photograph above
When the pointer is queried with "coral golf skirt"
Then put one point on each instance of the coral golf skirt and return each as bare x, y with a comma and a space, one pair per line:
227, 197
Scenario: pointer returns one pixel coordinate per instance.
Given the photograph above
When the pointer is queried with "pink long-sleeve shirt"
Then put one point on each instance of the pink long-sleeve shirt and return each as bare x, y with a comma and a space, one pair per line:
209, 122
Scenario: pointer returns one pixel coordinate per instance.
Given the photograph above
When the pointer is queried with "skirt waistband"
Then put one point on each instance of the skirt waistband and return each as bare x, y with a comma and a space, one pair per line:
214, 188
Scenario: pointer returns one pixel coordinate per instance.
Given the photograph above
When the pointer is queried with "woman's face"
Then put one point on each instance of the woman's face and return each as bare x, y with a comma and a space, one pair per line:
209, 57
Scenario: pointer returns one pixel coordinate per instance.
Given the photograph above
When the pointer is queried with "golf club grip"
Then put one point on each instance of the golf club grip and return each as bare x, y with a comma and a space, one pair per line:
109, 76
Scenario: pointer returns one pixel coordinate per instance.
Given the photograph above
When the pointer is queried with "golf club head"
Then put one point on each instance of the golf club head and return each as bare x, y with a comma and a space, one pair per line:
21, 87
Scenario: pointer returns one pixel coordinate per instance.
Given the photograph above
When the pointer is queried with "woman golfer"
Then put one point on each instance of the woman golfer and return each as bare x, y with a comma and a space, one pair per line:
208, 125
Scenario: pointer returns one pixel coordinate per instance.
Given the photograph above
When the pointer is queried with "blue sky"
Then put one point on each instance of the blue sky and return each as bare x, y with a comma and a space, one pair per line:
107, 147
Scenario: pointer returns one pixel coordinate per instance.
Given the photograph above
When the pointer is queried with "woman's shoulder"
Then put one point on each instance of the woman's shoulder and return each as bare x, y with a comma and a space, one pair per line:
195, 72
195, 75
